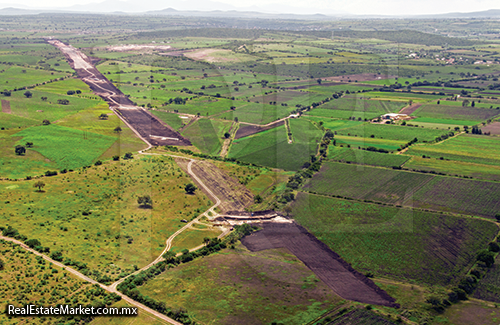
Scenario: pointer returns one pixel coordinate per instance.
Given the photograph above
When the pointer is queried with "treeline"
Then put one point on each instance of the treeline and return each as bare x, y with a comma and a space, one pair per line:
225, 33
129, 285
399, 36
322, 70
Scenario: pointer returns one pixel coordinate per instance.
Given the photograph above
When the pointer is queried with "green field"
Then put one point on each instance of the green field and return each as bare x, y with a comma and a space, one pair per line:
361, 104
406, 188
257, 113
207, 135
465, 148
359, 142
341, 114
393, 242
332, 124
271, 148
455, 113
67, 148
365, 157
173, 120
244, 287
392, 132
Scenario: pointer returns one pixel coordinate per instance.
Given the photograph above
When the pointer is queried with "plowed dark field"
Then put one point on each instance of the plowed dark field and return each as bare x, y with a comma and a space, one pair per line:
326, 264
245, 129
6, 107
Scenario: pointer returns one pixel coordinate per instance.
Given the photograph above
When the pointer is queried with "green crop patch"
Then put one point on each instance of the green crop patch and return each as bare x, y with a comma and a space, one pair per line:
465, 148
271, 148
392, 132
365, 157
257, 113
477, 198
358, 142
360, 104
428, 121
332, 124
66, 147
341, 114
394, 242
455, 112
207, 135
173, 120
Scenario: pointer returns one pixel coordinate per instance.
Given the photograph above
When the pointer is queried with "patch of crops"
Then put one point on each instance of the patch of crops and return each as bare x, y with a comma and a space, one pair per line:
271, 148
173, 120
466, 147
366, 157
489, 286
342, 114
392, 132
257, 113
395, 242
460, 195
455, 112
359, 104
389, 145
207, 135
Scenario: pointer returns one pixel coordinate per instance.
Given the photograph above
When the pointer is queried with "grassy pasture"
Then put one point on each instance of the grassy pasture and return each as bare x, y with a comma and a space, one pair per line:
332, 124
271, 148
103, 226
394, 242
204, 106
36, 110
366, 157
68, 148
244, 287
467, 148
392, 132
431, 122
207, 135
14, 77
455, 112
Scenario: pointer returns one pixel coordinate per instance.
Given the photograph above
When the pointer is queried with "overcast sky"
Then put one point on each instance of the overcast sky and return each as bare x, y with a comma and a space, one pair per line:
387, 7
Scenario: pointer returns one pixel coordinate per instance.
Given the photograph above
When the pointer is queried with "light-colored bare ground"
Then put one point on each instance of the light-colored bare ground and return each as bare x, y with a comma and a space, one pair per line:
6, 107
205, 55
137, 47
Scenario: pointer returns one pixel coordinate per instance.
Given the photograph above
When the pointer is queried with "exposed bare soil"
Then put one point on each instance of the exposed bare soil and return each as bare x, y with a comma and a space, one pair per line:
233, 195
206, 55
147, 125
410, 109
493, 128
249, 129
6, 107
326, 264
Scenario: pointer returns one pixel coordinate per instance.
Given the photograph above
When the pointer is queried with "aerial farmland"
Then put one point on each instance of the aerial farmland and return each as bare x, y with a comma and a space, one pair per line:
283, 171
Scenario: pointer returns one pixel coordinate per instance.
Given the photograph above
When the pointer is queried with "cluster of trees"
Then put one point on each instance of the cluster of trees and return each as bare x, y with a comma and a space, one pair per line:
476, 130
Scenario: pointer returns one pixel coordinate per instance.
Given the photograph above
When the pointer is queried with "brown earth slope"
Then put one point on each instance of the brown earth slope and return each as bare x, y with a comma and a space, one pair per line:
233, 195
325, 263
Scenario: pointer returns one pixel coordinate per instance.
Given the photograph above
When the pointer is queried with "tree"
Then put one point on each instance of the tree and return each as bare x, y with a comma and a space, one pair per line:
116, 157
44, 98
206, 240
103, 116
118, 129
29, 144
128, 155
32, 243
486, 257
40, 185
318, 81
1, 265
28, 94
190, 188
257, 199
6, 93
45, 122
145, 201
227, 135
20, 150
